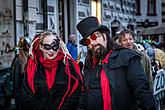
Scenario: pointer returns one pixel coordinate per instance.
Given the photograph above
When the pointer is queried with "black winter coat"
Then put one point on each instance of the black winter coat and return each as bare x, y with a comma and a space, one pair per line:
128, 83
50, 100
17, 78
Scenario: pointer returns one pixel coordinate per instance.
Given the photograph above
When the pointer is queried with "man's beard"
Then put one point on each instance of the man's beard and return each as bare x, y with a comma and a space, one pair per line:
100, 52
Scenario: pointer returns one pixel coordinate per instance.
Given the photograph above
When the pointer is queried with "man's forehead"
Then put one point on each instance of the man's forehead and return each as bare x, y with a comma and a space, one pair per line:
96, 32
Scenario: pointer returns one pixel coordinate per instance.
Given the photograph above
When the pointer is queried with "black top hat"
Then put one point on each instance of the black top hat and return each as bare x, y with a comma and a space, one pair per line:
88, 26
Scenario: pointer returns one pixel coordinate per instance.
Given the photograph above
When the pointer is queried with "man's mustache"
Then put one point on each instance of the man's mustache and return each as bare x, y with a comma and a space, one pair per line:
96, 46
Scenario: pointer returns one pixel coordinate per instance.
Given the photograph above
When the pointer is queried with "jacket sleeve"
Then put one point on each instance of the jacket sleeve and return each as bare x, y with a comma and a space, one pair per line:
139, 84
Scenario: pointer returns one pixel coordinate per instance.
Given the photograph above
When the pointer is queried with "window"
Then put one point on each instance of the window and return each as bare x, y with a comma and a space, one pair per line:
117, 8
41, 6
151, 8
138, 11
105, 5
96, 8
111, 7
85, 1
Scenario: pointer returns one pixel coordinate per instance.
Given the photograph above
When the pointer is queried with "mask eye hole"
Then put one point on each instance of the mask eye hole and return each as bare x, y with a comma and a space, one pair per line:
47, 46
55, 44
55, 47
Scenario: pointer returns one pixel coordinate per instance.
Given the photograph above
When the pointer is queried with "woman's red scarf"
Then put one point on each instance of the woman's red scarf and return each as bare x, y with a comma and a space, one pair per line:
105, 86
50, 67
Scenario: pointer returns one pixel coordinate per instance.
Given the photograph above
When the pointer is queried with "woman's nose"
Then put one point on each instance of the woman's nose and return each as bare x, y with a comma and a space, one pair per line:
51, 50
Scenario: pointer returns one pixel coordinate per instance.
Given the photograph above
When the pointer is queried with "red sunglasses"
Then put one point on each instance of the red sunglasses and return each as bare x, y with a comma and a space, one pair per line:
88, 41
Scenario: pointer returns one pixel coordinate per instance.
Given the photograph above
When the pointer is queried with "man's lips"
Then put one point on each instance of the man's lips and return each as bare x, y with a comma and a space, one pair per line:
95, 47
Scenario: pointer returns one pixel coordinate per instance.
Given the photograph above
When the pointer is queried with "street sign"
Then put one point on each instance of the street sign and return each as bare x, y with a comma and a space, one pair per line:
159, 82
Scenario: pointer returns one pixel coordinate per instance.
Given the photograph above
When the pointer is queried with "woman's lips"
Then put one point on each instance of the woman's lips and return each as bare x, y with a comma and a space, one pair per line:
51, 55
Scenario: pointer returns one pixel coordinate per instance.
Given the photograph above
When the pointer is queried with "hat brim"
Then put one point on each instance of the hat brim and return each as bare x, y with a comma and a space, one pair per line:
99, 28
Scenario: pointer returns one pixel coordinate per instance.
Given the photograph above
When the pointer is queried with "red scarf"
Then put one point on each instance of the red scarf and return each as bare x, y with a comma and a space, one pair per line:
50, 68
105, 86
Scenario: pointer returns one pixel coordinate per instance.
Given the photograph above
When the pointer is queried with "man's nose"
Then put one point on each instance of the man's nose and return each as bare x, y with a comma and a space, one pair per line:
93, 42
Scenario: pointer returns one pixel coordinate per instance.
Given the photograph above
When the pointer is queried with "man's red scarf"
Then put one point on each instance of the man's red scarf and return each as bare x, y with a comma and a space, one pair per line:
105, 87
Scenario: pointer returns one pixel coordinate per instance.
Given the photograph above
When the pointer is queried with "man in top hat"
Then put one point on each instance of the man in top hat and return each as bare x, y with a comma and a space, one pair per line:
114, 76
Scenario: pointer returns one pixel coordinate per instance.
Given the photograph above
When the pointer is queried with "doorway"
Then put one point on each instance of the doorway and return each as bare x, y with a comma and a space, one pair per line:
64, 19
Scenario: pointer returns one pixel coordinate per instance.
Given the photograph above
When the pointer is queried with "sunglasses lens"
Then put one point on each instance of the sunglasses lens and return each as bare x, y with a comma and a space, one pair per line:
87, 41
93, 37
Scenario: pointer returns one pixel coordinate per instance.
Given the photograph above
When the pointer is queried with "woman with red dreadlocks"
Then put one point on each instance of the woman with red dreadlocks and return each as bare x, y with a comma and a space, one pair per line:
52, 78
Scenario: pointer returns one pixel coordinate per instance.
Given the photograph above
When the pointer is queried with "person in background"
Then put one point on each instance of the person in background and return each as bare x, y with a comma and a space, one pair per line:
114, 76
72, 47
17, 68
126, 39
52, 79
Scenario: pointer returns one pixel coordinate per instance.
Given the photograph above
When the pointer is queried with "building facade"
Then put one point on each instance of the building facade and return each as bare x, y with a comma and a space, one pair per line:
163, 11
34, 16
7, 33
118, 14
148, 14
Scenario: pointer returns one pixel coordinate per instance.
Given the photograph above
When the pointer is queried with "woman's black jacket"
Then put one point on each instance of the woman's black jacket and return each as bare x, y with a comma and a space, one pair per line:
43, 99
